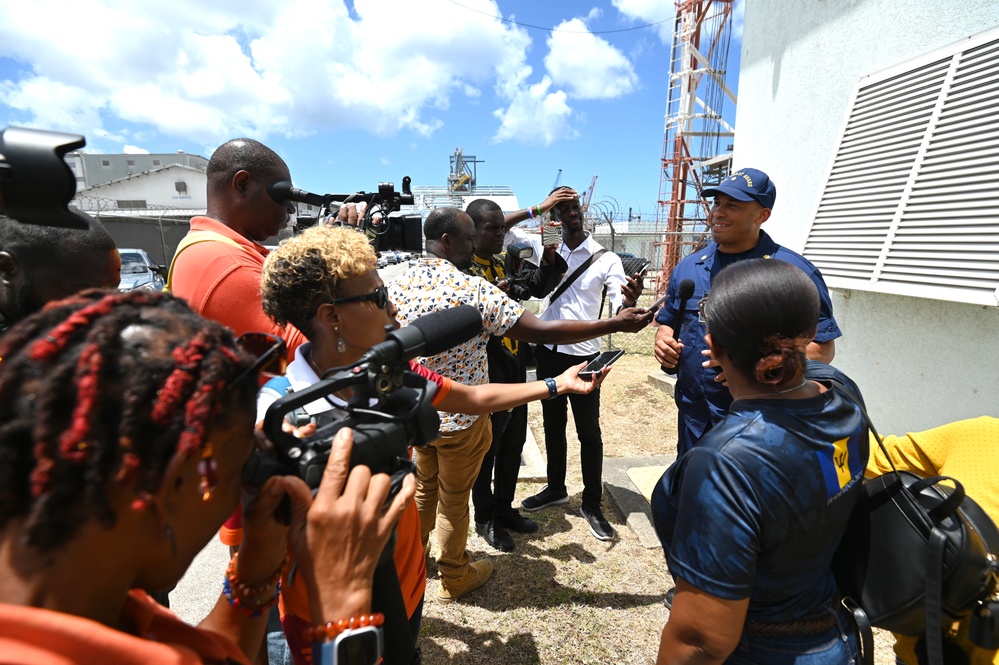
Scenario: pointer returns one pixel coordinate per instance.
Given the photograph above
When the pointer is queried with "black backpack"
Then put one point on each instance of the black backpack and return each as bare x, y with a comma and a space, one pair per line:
917, 555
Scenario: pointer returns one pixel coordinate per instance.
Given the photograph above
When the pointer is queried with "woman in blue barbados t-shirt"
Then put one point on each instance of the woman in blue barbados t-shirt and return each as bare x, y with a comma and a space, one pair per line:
751, 516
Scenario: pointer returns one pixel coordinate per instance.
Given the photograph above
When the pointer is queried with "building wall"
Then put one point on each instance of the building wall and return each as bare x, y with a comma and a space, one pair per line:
920, 362
96, 169
157, 189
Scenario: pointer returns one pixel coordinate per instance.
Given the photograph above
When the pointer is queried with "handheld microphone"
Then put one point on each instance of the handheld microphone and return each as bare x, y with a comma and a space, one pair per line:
686, 292
428, 335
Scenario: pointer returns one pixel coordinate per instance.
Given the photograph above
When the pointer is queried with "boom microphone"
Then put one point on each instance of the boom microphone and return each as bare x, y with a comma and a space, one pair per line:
428, 335
686, 292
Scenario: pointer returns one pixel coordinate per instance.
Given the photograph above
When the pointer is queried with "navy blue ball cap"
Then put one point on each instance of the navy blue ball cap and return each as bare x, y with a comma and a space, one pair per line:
746, 185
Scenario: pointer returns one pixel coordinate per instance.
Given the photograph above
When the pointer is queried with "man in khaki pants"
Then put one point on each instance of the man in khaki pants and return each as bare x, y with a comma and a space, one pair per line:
447, 468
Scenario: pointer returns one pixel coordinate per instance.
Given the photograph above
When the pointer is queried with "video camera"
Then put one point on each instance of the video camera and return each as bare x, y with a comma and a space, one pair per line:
386, 232
513, 265
390, 408
36, 184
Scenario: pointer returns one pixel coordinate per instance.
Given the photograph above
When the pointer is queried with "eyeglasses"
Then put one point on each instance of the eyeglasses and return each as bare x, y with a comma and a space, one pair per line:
270, 352
379, 296
701, 304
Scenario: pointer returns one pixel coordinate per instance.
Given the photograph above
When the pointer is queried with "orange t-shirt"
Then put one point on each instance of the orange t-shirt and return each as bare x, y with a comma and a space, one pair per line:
33, 636
222, 282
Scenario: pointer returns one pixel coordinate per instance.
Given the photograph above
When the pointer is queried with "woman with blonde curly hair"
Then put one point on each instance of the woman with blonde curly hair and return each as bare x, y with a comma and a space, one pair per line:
325, 283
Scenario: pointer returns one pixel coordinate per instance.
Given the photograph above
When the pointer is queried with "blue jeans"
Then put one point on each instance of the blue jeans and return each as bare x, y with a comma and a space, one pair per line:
837, 646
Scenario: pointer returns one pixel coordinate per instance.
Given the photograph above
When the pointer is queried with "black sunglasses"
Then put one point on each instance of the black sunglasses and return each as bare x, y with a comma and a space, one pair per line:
379, 296
270, 352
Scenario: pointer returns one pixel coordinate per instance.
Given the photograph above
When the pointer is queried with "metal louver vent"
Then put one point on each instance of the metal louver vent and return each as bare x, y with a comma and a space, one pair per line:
911, 204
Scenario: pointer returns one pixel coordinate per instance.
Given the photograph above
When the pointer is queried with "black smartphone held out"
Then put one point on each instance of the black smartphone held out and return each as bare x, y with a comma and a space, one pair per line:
603, 360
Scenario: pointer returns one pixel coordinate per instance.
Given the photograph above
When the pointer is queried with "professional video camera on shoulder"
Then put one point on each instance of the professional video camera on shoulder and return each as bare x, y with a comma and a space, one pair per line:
390, 408
36, 184
385, 228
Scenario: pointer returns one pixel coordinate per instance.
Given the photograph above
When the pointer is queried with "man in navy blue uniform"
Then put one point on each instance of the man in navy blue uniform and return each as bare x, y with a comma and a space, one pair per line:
742, 203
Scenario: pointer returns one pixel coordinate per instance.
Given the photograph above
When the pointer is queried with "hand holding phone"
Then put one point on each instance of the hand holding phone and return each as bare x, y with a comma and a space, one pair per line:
596, 365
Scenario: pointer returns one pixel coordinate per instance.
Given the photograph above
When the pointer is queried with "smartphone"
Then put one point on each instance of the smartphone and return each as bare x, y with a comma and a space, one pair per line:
657, 304
634, 265
603, 360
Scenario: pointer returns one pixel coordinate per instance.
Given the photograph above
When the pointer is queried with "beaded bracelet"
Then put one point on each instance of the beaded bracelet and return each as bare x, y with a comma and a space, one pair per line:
232, 584
323, 632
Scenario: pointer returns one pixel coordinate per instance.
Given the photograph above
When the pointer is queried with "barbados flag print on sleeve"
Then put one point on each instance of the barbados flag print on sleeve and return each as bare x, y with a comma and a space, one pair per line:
843, 462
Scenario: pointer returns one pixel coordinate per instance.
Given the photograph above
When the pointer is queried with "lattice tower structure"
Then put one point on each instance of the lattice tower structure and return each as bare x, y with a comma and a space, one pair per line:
694, 126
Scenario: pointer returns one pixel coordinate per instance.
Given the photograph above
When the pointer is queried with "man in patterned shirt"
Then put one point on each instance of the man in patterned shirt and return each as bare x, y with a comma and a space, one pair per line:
447, 468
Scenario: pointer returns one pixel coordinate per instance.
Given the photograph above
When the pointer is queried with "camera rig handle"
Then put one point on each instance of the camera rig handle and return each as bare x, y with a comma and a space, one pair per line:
386, 199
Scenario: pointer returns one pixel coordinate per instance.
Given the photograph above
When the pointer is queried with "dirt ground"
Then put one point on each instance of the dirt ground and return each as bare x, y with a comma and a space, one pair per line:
562, 596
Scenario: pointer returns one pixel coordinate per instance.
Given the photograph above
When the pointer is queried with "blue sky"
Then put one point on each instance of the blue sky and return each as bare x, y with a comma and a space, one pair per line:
353, 93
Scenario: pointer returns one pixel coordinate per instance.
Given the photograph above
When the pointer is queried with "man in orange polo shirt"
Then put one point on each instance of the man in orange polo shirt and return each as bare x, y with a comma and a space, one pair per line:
217, 267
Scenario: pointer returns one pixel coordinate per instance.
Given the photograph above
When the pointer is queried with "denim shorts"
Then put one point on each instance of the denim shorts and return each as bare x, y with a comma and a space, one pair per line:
837, 646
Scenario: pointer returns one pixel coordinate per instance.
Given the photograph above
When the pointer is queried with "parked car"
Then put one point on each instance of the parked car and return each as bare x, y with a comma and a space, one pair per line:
139, 272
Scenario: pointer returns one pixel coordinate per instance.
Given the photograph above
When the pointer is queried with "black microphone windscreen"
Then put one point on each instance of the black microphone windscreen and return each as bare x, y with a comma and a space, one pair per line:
446, 328
686, 289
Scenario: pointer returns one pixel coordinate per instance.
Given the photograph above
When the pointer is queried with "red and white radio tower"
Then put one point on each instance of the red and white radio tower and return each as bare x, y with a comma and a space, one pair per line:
693, 154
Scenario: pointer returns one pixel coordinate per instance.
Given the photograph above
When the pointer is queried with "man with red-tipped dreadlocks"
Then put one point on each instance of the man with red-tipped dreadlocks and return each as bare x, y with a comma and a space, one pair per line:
125, 421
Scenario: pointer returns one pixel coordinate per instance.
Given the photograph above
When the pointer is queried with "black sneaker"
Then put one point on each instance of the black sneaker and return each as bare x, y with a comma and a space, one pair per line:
495, 535
599, 526
546, 497
668, 598
514, 521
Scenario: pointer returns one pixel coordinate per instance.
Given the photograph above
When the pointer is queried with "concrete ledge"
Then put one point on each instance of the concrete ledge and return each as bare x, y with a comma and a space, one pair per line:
663, 381
628, 499
532, 462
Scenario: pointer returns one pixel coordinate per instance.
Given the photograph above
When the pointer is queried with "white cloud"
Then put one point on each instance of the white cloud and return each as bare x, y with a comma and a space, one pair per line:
536, 115
587, 65
210, 71
134, 150
650, 11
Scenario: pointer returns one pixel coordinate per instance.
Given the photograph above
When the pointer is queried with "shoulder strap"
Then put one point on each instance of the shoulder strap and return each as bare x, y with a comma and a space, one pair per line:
194, 238
278, 386
575, 275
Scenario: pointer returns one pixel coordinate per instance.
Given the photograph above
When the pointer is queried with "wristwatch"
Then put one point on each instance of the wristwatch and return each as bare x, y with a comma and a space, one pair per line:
358, 646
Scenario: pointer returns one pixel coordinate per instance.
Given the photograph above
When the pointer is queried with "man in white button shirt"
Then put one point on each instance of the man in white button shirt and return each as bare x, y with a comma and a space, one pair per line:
581, 301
